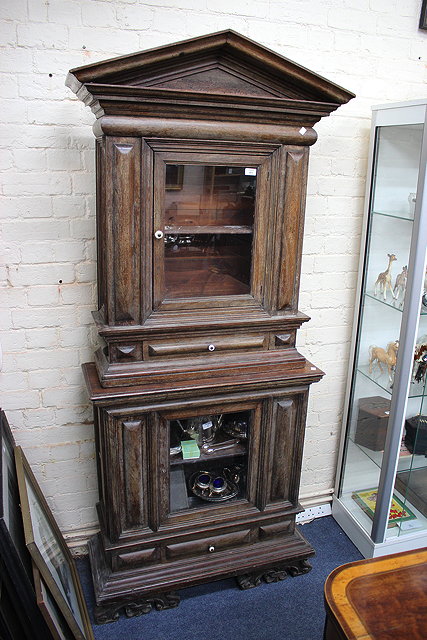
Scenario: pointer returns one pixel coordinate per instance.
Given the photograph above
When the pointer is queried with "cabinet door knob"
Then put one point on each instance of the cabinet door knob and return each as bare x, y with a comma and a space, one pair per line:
211, 347
211, 548
158, 234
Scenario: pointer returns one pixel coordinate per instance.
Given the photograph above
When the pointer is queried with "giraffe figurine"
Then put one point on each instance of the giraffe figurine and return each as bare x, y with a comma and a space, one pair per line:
400, 284
383, 281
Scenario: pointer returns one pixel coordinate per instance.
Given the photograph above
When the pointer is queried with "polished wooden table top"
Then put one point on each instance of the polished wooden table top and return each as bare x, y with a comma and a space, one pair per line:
378, 599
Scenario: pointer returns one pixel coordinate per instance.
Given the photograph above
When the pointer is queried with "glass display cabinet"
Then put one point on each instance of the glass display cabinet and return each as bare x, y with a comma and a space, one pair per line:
199, 392
381, 498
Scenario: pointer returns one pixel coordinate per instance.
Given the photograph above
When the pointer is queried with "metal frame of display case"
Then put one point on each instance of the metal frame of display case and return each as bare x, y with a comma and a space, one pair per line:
376, 544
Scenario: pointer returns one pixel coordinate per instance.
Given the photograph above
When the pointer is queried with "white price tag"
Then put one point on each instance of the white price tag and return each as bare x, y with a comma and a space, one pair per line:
249, 171
207, 425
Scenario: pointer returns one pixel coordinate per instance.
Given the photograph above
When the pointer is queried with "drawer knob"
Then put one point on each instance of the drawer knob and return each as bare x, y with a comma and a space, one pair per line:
211, 347
211, 548
158, 234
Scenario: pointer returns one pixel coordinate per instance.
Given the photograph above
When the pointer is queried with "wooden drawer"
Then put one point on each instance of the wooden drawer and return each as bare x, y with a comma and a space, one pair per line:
136, 558
205, 345
207, 545
276, 530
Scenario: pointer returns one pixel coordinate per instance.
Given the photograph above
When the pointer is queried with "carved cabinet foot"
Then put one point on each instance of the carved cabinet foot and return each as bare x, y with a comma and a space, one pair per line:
275, 575
134, 609
110, 613
104, 614
251, 580
166, 601
299, 568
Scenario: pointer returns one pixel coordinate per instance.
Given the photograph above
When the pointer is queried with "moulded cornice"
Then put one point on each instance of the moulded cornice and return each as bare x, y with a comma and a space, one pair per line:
222, 75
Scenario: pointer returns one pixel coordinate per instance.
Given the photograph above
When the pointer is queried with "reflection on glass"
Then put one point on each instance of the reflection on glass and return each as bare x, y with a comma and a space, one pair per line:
208, 459
411, 478
396, 171
208, 223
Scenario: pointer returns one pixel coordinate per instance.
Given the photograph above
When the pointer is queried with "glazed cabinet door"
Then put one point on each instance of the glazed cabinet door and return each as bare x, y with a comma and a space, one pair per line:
228, 223
208, 462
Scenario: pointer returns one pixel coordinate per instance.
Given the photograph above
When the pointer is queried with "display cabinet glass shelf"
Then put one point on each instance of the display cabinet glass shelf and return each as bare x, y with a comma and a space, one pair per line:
381, 496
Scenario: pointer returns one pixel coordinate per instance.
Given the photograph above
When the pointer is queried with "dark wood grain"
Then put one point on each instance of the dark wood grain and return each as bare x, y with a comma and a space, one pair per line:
134, 466
123, 205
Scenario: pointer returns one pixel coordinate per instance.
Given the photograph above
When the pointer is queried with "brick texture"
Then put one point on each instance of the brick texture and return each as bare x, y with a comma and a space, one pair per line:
371, 47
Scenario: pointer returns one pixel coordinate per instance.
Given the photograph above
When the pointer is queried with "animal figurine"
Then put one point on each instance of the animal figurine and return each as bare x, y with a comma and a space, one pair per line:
387, 356
400, 284
420, 361
383, 282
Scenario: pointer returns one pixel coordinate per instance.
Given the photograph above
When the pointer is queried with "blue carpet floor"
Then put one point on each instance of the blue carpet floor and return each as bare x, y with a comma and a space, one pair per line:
289, 610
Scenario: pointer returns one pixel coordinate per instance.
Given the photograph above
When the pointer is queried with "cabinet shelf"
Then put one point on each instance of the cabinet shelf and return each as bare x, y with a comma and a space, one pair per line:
237, 450
397, 216
406, 461
394, 304
207, 229
415, 390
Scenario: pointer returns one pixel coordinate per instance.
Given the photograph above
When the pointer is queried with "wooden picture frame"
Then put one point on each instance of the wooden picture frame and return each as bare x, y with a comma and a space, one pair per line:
423, 16
50, 610
50, 553
15, 560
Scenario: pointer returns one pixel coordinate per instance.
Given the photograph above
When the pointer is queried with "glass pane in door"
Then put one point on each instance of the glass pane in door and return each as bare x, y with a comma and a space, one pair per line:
208, 459
208, 230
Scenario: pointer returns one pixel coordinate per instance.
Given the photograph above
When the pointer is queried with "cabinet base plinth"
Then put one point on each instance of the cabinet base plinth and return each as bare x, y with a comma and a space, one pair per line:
139, 590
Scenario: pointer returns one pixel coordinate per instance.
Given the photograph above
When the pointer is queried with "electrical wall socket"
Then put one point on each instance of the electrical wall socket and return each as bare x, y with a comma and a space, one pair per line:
314, 512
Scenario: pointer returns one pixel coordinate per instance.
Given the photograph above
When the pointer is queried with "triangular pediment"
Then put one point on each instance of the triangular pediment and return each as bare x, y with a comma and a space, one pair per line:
220, 64
214, 80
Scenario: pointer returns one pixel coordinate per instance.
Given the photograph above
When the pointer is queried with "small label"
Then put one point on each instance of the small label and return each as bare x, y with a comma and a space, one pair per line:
207, 425
249, 171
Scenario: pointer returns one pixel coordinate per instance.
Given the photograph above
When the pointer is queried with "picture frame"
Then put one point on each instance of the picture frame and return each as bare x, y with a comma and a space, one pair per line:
50, 553
423, 16
50, 610
15, 560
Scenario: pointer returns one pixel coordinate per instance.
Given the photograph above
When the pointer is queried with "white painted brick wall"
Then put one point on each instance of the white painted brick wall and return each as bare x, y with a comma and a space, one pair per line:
372, 47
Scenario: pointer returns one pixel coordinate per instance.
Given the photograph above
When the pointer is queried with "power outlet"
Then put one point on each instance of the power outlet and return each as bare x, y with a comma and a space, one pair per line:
311, 513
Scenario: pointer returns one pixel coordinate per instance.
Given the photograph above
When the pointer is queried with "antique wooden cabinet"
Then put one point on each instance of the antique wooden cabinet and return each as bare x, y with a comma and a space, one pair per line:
199, 392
